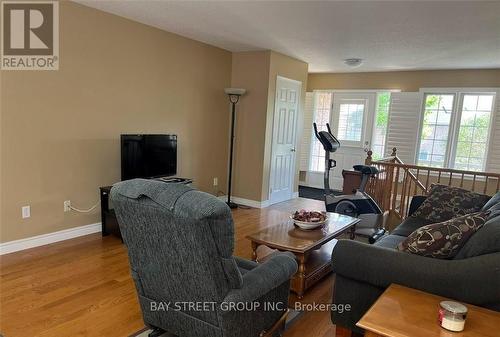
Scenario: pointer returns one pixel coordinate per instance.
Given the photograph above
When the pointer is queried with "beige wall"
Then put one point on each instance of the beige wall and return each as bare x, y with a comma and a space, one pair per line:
405, 80
60, 129
250, 71
2, 209
257, 72
285, 66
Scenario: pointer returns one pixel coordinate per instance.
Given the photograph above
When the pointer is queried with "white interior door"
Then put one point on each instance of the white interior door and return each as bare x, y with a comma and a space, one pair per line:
352, 123
283, 151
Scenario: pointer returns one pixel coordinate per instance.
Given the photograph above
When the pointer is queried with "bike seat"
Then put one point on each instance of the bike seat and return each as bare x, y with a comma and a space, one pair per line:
365, 169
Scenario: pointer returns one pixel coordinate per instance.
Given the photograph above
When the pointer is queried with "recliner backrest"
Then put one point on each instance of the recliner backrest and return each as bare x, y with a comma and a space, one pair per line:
180, 242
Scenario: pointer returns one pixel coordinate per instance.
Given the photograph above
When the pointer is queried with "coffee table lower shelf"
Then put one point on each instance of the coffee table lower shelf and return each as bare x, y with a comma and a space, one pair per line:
313, 266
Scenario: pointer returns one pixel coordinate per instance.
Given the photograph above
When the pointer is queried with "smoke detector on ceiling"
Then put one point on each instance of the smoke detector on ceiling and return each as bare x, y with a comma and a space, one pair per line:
353, 62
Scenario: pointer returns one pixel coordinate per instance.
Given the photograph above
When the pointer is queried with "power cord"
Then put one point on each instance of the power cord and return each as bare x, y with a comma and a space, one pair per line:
85, 210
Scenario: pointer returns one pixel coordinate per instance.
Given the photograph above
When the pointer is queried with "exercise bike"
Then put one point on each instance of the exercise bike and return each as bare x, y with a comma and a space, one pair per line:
359, 204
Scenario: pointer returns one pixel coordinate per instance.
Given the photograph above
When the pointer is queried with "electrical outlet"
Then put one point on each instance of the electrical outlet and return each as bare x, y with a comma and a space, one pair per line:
216, 181
26, 211
67, 206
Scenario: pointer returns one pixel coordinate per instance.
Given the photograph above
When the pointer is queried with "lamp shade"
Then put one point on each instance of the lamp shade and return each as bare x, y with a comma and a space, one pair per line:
235, 91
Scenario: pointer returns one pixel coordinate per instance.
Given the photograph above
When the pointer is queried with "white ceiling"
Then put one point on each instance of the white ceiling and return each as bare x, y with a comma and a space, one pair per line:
404, 35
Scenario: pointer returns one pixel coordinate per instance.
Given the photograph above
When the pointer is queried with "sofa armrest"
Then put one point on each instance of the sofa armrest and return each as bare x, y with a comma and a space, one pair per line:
475, 280
264, 278
244, 263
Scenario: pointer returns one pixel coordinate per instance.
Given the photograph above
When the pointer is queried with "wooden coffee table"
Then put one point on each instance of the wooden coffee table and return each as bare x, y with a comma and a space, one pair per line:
312, 248
406, 312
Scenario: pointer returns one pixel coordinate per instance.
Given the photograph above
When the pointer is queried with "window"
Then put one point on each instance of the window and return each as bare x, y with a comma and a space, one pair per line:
380, 125
435, 130
322, 107
455, 130
472, 139
351, 121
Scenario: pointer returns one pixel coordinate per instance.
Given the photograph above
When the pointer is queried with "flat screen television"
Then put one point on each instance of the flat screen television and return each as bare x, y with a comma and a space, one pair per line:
148, 156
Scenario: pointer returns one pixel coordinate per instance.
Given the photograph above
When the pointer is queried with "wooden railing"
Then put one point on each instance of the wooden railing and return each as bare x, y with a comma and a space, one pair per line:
380, 186
398, 182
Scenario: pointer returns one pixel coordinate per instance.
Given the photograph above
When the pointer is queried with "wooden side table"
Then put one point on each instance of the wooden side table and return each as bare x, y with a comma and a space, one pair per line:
406, 312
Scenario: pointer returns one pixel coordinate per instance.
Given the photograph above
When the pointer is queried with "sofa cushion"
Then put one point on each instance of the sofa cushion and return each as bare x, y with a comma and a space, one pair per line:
495, 210
494, 201
447, 202
389, 241
485, 241
409, 225
443, 240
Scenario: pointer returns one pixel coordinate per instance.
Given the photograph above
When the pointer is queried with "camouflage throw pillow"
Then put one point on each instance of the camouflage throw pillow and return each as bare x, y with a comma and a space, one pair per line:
446, 202
445, 239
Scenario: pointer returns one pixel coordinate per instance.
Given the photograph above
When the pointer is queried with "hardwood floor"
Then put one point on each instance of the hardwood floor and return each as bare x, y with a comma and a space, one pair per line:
82, 287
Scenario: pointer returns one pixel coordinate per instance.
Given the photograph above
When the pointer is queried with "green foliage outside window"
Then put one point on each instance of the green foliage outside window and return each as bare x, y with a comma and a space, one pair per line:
381, 121
383, 99
472, 133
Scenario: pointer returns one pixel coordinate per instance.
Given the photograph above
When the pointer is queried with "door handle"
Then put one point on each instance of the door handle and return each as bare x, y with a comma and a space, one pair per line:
367, 146
292, 149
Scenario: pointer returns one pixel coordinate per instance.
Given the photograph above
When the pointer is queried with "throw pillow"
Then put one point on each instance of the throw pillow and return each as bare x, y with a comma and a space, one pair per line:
484, 241
447, 202
445, 239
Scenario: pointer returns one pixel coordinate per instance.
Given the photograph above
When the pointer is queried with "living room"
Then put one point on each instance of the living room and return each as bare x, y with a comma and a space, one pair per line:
231, 92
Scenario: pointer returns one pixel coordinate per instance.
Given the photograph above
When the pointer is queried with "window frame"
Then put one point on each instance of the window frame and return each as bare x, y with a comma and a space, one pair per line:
374, 128
344, 91
313, 136
455, 119
367, 121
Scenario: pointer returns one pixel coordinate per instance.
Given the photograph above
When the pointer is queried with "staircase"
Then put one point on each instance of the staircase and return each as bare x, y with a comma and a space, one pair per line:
398, 182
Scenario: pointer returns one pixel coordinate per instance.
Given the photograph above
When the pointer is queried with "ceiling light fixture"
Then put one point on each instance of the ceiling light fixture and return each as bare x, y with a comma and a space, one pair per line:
353, 62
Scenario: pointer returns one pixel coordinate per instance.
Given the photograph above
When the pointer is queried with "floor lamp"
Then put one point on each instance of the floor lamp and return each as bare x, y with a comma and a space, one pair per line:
234, 96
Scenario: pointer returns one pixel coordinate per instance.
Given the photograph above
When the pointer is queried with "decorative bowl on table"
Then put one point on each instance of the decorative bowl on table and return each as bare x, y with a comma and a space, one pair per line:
308, 220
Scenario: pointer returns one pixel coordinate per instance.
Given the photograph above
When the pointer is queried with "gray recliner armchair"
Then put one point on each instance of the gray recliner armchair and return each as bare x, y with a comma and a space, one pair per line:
180, 244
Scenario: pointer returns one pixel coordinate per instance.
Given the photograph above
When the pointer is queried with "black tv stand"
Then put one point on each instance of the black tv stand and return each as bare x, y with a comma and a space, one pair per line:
108, 217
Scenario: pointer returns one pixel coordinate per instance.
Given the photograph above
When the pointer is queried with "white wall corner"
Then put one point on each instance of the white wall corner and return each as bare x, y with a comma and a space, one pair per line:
46, 239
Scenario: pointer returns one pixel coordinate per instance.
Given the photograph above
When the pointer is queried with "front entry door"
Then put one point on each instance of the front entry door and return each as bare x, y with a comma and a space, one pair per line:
283, 157
352, 124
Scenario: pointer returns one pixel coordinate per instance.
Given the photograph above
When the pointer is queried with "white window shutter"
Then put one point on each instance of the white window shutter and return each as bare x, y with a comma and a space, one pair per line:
403, 125
493, 164
305, 144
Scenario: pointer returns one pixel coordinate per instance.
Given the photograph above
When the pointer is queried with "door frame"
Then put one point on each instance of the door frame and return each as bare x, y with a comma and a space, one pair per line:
368, 117
355, 91
348, 149
315, 179
294, 161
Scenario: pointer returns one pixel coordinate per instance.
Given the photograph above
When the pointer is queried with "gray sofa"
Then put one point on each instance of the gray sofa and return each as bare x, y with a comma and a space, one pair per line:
363, 272
180, 245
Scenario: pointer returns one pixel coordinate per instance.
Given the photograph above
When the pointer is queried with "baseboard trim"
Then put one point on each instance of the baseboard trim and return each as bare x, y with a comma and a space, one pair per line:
46, 239
253, 203
319, 186
247, 202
